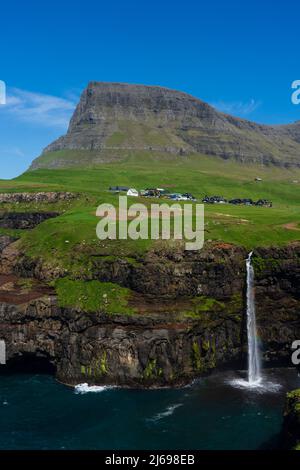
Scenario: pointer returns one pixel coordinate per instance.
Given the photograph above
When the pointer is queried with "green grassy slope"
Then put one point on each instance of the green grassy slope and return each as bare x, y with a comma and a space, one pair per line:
70, 239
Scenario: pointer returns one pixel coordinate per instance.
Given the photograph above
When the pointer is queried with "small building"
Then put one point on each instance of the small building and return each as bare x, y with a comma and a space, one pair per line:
175, 197
118, 189
214, 200
258, 179
132, 192
189, 197
152, 192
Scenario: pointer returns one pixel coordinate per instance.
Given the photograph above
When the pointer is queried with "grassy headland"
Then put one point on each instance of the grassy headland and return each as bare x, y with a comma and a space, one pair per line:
69, 241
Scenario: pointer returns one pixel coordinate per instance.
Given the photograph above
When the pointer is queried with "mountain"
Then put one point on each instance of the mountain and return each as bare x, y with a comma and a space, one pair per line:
113, 120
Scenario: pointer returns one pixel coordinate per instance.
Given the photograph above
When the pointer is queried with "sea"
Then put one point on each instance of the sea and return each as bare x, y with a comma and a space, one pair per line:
214, 412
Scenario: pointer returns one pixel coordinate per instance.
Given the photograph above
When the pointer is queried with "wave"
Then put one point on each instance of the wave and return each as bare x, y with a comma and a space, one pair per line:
168, 412
86, 388
259, 386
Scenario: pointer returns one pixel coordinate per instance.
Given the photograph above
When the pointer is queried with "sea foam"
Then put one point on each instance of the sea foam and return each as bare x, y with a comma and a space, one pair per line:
168, 412
86, 388
259, 386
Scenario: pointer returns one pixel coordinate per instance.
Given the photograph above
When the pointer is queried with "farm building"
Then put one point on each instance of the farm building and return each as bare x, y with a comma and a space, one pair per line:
132, 192
118, 189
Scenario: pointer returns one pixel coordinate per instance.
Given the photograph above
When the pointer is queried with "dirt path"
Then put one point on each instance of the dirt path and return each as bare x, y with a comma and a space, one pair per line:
12, 293
292, 226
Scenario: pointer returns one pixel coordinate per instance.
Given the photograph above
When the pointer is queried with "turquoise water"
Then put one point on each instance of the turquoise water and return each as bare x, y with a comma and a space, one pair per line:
36, 412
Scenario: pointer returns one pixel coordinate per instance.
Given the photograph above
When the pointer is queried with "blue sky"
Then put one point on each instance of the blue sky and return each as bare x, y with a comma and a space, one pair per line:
239, 56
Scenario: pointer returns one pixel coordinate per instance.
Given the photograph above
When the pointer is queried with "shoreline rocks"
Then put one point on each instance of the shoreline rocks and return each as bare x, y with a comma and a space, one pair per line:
190, 318
291, 423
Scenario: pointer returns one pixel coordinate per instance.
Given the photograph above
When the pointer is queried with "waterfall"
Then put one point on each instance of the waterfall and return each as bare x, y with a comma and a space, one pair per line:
254, 374
255, 380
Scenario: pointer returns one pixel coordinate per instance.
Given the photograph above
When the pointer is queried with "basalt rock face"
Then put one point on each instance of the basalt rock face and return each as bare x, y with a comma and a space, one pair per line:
28, 220
291, 423
5, 240
190, 317
141, 351
48, 197
113, 119
277, 278
24, 220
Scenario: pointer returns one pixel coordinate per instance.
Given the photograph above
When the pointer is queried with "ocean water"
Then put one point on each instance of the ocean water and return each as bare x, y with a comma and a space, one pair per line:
215, 412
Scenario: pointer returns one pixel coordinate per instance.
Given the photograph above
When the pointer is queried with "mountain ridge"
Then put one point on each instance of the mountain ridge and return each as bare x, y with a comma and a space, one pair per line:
113, 118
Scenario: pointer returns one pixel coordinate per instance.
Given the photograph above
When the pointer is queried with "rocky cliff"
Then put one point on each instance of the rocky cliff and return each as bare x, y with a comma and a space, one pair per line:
189, 315
38, 197
291, 423
113, 119
24, 220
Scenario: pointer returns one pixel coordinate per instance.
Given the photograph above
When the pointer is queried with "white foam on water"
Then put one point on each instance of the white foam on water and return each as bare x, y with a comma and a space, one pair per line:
86, 388
168, 412
259, 386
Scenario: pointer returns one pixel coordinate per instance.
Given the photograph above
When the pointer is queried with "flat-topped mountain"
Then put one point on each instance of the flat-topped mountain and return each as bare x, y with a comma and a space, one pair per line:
113, 120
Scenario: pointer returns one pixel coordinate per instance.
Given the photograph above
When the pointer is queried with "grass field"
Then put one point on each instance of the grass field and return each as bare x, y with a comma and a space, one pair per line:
71, 237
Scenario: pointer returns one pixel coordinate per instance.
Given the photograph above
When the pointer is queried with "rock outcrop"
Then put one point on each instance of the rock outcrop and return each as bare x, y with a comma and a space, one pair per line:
143, 350
113, 119
5, 240
24, 220
189, 320
48, 197
291, 423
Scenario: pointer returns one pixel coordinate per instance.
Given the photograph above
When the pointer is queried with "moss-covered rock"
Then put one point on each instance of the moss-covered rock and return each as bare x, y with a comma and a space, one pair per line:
263, 265
93, 296
291, 426
151, 370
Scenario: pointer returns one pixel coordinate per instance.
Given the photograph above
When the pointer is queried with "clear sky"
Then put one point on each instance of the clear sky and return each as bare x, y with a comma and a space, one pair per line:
240, 56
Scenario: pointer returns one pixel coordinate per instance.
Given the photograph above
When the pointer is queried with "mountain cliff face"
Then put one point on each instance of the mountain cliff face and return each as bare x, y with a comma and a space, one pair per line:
114, 118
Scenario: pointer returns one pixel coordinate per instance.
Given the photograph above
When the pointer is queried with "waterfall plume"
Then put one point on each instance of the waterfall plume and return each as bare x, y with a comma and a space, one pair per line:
254, 369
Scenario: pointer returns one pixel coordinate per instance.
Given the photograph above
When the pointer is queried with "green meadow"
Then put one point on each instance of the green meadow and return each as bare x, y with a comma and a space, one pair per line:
70, 240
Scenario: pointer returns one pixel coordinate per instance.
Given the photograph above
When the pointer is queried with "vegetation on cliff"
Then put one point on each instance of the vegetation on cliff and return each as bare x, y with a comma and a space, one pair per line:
291, 426
93, 296
247, 226
177, 142
68, 246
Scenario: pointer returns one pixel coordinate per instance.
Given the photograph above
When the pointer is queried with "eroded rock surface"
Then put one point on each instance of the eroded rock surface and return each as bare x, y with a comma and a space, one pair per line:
291, 423
36, 197
24, 220
190, 316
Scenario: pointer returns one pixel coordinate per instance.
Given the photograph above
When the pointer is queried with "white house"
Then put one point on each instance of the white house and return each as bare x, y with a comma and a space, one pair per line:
132, 192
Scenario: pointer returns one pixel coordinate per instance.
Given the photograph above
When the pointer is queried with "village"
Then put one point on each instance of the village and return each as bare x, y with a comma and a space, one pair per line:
166, 194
